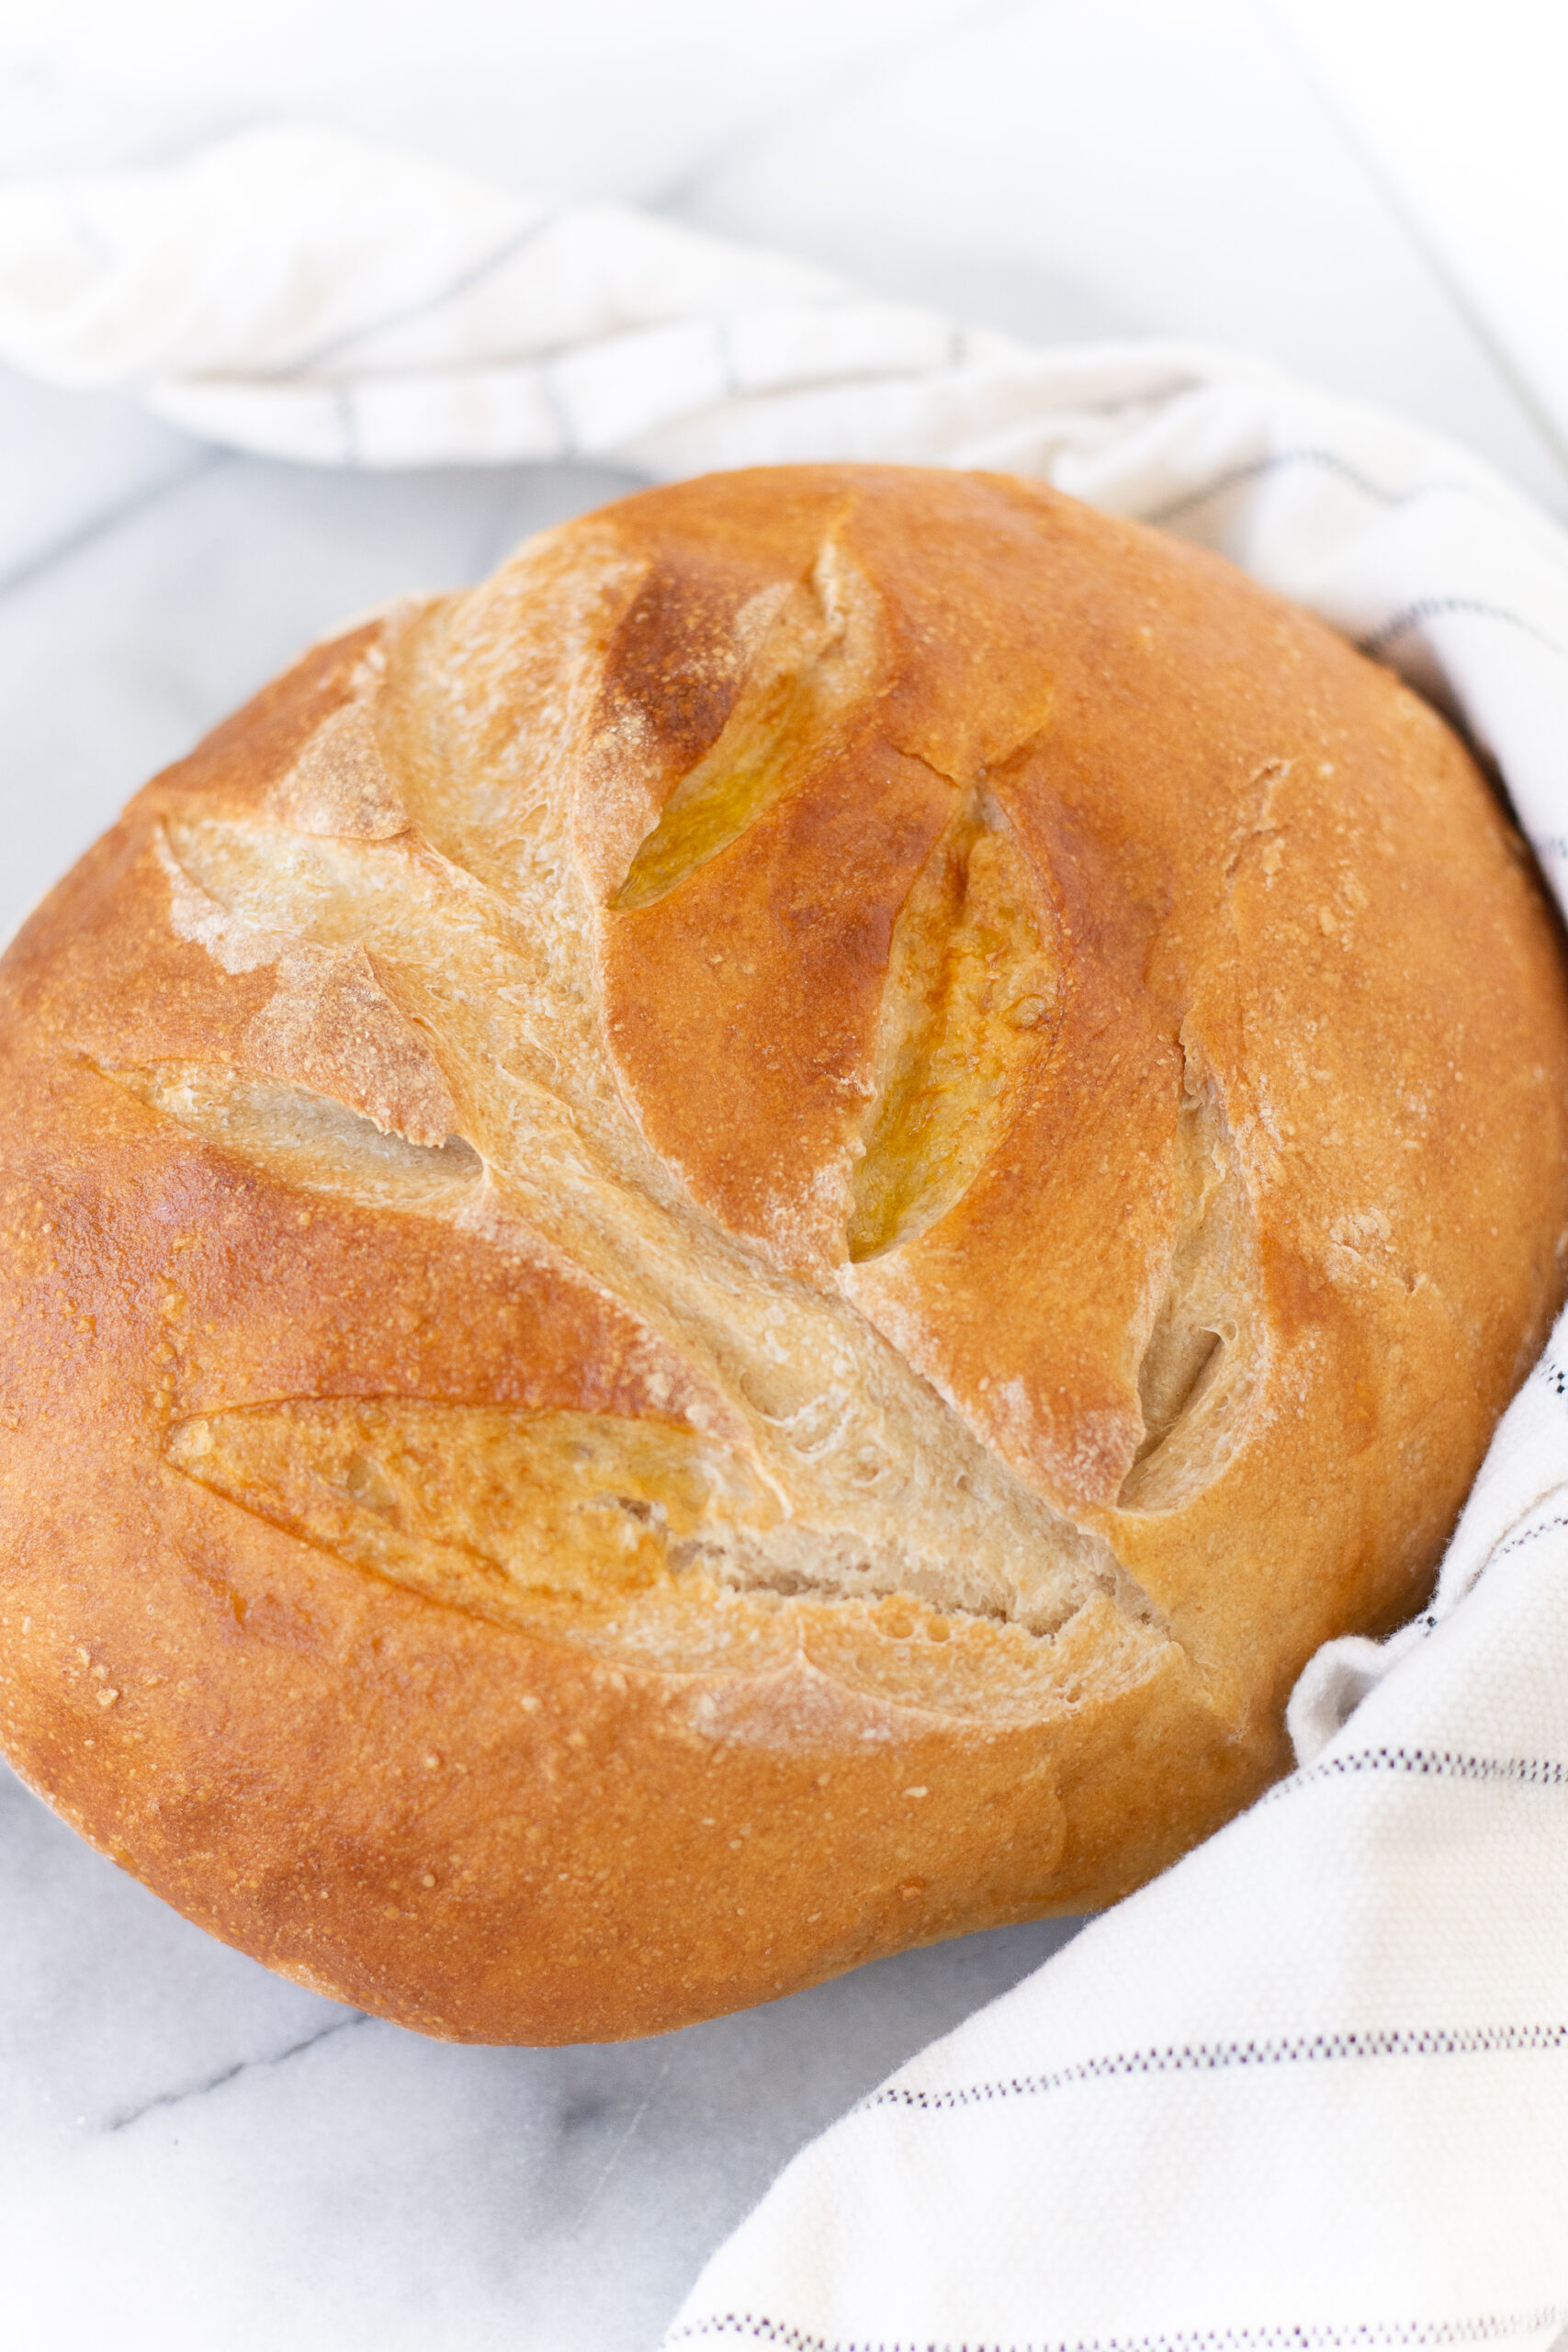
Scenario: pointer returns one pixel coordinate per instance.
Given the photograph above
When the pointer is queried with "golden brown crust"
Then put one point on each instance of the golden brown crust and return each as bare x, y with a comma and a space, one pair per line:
718, 1259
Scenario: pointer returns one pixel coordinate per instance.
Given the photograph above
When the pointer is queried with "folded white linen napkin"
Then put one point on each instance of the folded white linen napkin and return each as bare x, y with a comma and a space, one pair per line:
1311, 2088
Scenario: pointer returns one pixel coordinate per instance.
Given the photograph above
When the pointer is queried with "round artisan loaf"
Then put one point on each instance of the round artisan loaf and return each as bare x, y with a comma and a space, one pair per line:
718, 1259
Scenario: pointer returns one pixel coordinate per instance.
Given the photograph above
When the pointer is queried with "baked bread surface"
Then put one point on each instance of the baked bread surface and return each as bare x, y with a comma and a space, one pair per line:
717, 1259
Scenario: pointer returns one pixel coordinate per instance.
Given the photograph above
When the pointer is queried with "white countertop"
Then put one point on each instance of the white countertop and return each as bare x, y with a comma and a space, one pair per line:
192, 2153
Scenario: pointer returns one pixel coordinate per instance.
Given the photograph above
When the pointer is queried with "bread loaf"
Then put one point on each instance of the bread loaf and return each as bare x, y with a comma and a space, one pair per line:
717, 1259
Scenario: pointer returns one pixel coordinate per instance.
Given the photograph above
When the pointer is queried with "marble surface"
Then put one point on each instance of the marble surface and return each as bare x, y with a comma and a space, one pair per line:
193, 2153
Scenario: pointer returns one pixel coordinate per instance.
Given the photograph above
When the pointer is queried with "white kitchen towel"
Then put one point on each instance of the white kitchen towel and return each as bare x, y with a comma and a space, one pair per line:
1311, 2088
